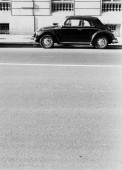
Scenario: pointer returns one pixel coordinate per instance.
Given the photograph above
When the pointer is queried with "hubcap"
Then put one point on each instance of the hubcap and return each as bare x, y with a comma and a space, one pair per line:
47, 41
102, 42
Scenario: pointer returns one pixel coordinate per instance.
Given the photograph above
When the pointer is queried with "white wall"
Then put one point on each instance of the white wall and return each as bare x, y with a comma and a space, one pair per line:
87, 7
24, 12
22, 25
28, 15
29, 7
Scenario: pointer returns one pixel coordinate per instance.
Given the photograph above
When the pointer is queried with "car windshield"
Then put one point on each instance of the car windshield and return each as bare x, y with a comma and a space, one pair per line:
62, 22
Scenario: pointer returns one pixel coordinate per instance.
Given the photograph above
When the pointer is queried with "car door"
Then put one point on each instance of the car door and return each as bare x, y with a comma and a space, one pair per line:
70, 31
85, 31
76, 30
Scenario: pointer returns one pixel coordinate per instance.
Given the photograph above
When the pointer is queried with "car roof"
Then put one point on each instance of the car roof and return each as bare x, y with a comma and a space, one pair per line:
83, 17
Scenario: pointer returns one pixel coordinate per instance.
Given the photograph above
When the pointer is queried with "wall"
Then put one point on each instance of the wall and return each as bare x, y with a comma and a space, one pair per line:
22, 25
28, 15
24, 13
87, 7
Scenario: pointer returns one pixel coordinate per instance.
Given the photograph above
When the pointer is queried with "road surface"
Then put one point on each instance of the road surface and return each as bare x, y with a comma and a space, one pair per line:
60, 109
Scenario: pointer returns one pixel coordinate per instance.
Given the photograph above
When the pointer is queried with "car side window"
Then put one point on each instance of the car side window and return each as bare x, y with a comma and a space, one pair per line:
72, 22
84, 23
77, 23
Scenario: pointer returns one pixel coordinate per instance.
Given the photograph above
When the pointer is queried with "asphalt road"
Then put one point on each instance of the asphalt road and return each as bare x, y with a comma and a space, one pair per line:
60, 109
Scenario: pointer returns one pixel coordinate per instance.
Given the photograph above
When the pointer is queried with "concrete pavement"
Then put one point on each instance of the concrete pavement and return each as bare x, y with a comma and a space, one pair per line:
17, 39
60, 109
27, 39
60, 118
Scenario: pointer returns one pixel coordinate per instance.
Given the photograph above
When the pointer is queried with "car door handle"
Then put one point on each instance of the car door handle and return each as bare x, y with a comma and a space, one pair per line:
80, 29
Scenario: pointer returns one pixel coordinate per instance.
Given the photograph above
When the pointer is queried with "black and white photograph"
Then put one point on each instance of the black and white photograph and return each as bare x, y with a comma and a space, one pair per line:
60, 84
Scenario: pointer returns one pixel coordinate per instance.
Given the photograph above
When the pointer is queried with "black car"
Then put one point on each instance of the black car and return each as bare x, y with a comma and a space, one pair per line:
84, 30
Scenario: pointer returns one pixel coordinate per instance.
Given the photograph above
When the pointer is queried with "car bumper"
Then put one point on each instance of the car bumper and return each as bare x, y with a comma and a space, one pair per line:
34, 39
114, 41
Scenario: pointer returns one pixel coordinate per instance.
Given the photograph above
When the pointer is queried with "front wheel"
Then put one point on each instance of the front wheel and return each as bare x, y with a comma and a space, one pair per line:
47, 41
101, 42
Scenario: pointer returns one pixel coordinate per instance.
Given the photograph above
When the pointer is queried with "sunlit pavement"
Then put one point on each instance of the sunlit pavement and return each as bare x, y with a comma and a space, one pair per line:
60, 109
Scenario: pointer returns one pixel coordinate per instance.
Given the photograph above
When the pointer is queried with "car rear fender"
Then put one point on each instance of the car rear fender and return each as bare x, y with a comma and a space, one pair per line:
107, 34
56, 40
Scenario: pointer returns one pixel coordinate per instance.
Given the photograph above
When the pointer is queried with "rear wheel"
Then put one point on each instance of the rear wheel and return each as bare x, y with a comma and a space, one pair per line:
101, 42
47, 41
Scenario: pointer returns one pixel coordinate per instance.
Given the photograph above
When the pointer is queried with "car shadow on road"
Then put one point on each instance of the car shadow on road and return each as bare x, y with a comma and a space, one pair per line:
114, 47
13, 45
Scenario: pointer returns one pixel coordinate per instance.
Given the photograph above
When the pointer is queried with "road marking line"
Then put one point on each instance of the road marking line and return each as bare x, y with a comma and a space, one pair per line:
59, 65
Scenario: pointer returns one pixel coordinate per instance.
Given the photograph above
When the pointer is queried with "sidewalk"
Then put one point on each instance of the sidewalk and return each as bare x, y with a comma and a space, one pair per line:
27, 39
16, 39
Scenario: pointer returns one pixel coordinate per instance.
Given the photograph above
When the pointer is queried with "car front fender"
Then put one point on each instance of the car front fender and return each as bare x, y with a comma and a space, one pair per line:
56, 39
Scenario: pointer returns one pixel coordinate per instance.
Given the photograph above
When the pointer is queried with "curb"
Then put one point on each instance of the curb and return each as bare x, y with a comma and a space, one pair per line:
17, 43
27, 40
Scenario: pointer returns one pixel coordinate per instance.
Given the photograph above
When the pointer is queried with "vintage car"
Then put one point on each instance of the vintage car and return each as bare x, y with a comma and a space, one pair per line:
81, 30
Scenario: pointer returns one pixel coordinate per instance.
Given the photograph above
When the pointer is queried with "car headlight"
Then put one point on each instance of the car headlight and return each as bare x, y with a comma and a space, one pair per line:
39, 29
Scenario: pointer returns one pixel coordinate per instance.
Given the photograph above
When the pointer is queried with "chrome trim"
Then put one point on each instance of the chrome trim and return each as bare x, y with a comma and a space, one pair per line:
75, 42
114, 41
